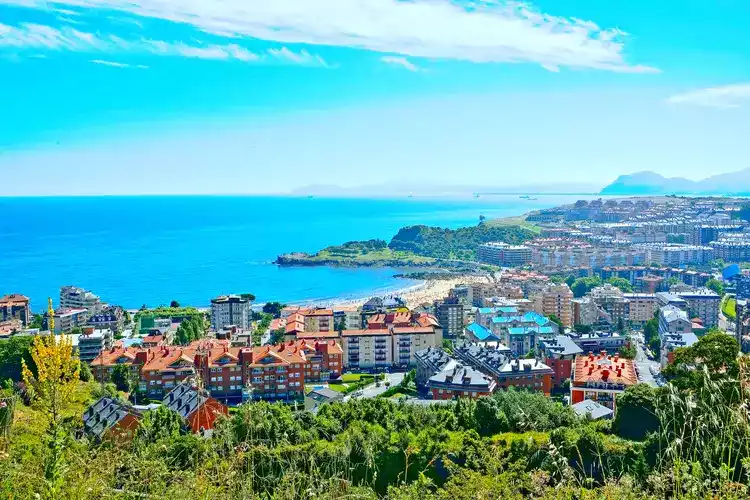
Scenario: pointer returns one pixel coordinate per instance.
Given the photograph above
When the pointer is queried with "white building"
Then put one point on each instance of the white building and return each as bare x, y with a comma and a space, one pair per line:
704, 304
73, 297
229, 310
675, 330
67, 319
92, 342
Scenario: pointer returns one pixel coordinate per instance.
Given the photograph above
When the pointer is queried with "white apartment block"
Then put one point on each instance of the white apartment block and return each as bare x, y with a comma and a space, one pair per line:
73, 297
230, 310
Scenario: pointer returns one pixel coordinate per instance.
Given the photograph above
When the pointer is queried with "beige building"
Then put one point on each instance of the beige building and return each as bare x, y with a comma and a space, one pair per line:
585, 311
365, 349
349, 315
558, 300
410, 339
318, 320
642, 306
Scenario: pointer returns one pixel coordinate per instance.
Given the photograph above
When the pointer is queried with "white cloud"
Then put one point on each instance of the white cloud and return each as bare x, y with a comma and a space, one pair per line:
727, 96
492, 31
117, 64
399, 61
35, 36
302, 57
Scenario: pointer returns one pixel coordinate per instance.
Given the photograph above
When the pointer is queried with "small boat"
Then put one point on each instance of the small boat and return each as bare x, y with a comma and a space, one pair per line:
524, 197
531, 198
310, 197
476, 195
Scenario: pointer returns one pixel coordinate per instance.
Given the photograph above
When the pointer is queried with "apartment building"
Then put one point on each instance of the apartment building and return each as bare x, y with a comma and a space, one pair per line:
450, 314
675, 330
673, 254
585, 311
503, 254
73, 297
611, 300
611, 342
530, 374
92, 342
641, 307
367, 349
557, 300
460, 381
15, 306
109, 317
68, 319
230, 374
731, 250
347, 316
229, 310
521, 333
703, 304
600, 378
559, 354
318, 320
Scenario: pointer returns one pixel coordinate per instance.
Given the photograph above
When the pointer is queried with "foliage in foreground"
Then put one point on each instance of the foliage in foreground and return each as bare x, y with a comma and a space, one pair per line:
688, 440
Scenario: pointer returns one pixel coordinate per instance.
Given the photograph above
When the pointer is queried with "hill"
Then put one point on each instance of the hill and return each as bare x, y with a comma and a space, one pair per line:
651, 183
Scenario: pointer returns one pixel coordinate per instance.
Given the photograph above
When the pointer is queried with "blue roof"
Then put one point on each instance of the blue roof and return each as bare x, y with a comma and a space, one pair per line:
480, 332
529, 317
540, 330
508, 309
488, 310
505, 319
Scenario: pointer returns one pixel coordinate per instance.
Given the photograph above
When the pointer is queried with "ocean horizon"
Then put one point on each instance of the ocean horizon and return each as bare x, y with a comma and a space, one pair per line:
152, 249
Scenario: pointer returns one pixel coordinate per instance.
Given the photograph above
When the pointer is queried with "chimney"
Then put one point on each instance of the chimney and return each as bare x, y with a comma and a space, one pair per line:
605, 374
619, 372
603, 353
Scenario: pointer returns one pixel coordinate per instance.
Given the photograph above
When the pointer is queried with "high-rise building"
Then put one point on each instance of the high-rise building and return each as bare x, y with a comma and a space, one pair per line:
703, 304
229, 310
557, 300
73, 297
450, 315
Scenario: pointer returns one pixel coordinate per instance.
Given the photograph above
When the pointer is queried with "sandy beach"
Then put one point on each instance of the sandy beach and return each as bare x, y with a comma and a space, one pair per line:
424, 293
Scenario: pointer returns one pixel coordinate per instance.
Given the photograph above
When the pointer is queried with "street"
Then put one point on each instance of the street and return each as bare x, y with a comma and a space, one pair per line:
372, 390
646, 367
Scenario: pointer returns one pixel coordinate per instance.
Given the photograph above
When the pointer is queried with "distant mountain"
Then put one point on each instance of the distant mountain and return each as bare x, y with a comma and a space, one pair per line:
651, 183
421, 188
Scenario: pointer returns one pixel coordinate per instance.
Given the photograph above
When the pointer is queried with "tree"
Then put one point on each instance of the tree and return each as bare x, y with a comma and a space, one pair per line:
583, 329
273, 308
174, 304
582, 286
160, 423
120, 376
620, 325
248, 296
570, 280
190, 330
715, 285
56, 376
628, 352
85, 372
13, 353
636, 412
621, 283
715, 353
37, 321
556, 320
77, 330
674, 280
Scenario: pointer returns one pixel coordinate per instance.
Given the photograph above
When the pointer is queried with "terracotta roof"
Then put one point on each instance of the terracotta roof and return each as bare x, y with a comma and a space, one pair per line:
357, 333
405, 330
14, 299
318, 335
604, 369
317, 312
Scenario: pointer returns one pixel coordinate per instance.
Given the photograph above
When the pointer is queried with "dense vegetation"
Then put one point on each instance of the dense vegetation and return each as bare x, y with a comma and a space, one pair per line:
459, 243
690, 439
414, 246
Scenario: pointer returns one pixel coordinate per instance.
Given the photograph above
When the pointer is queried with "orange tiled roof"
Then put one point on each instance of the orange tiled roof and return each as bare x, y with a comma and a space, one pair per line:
357, 333
604, 368
317, 312
405, 330
14, 299
317, 335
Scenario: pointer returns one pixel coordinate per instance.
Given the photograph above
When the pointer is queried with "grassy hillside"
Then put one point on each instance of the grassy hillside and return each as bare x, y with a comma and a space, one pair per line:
357, 253
456, 243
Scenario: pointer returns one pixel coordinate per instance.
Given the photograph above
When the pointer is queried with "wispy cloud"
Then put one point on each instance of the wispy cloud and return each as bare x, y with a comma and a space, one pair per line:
497, 31
399, 61
726, 96
302, 57
36, 36
117, 64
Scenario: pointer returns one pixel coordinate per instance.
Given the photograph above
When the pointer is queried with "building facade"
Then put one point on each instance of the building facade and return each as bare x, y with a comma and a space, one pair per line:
601, 378
557, 300
15, 306
229, 310
450, 314
73, 297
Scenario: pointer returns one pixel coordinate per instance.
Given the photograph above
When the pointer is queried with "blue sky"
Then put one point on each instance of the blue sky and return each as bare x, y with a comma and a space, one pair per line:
238, 96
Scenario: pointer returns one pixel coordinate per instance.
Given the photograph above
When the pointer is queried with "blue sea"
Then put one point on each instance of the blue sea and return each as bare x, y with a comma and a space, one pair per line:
155, 249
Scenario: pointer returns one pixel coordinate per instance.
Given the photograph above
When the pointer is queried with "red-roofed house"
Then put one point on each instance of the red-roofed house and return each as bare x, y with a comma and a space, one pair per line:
601, 378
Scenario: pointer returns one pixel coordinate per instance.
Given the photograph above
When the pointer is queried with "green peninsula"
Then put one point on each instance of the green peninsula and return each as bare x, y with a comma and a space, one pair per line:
415, 246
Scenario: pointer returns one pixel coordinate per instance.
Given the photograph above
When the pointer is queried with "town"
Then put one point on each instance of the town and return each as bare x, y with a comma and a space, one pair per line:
599, 301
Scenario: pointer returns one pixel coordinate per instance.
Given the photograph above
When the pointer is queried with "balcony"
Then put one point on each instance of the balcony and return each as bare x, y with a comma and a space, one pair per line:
404, 351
